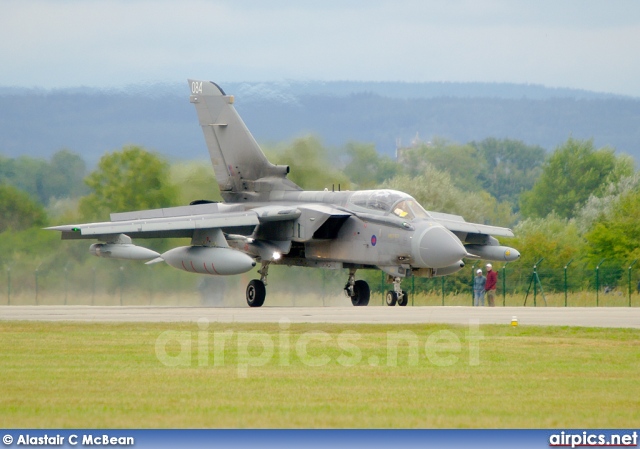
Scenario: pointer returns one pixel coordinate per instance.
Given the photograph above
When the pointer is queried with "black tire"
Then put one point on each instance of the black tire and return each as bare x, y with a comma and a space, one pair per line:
392, 298
256, 292
361, 293
405, 299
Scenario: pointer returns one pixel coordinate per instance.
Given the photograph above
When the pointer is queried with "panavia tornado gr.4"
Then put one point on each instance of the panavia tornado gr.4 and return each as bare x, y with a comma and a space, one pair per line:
267, 219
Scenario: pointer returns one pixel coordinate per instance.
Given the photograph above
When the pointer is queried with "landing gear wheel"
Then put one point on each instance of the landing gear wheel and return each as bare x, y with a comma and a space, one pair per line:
392, 298
361, 293
405, 299
256, 292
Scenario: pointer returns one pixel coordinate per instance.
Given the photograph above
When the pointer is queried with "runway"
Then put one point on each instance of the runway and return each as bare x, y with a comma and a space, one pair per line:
619, 317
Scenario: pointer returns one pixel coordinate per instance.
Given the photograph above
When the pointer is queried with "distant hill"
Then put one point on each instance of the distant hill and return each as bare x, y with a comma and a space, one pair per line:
92, 122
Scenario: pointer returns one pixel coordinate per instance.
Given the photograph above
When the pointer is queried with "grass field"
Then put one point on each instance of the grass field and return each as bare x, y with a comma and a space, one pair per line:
92, 375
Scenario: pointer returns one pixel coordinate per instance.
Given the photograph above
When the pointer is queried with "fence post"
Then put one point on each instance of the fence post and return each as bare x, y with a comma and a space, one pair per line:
8, 286
629, 277
413, 288
121, 283
598, 282
323, 289
36, 276
504, 284
66, 284
565, 281
535, 285
93, 285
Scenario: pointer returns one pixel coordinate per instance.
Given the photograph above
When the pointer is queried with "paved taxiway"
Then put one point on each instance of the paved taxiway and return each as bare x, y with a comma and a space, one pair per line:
544, 316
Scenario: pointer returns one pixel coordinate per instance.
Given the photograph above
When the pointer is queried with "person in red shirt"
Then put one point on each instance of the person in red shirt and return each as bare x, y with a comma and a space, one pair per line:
490, 286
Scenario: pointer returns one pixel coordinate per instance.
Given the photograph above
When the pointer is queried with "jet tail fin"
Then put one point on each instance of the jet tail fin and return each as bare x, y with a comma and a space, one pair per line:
240, 166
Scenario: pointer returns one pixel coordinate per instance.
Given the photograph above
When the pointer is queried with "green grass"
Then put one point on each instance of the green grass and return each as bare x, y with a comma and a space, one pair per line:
109, 376
574, 299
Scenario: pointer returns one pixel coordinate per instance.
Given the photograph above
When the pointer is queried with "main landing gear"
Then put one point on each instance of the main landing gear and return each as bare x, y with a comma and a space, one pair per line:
397, 295
256, 290
358, 290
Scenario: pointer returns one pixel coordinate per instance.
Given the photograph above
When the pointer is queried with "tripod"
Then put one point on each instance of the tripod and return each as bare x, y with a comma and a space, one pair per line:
535, 281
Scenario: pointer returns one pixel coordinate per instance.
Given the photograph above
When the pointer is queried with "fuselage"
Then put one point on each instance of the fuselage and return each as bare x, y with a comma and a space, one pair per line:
385, 229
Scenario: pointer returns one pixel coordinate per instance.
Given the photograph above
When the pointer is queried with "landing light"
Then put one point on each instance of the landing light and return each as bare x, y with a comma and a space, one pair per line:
276, 256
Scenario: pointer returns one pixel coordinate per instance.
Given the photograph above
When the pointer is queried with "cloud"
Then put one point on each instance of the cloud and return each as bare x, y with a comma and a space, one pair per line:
577, 43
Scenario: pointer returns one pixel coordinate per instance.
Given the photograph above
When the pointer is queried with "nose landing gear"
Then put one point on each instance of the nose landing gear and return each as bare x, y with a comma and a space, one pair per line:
397, 295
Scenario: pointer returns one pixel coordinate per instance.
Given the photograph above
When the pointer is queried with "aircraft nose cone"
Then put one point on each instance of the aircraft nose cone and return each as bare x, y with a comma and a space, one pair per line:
438, 248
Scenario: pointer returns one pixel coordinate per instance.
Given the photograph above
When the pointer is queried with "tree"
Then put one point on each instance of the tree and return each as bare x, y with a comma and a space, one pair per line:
128, 180
553, 238
616, 235
575, 171
195, 180
436, 191
64, 176
598, 207
367, 168
18, 210
26, 174
512, 168
310, 165
464, 163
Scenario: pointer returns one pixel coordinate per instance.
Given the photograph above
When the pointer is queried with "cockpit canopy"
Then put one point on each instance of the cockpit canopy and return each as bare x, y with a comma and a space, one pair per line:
389, 202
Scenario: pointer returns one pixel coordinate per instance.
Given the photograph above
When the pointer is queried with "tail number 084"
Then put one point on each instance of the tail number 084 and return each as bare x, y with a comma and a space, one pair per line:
196, 87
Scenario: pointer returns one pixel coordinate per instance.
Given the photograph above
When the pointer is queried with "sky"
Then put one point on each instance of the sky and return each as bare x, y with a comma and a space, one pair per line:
583, 44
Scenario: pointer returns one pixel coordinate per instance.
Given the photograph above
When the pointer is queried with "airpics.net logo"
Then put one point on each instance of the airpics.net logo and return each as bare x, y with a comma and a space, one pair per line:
209, 347
593, 439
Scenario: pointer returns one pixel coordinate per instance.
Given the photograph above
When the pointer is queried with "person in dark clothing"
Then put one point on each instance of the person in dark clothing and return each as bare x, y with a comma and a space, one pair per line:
491, 285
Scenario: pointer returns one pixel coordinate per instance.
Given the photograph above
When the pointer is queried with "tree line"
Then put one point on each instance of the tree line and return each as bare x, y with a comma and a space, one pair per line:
578, 204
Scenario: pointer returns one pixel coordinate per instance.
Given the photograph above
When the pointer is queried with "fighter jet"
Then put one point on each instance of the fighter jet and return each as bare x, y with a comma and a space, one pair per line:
267, 219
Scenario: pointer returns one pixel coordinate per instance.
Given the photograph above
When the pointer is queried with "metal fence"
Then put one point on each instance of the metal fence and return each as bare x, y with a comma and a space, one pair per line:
116, 283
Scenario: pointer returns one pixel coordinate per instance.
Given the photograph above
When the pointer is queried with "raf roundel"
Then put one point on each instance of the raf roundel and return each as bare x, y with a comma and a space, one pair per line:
374, 240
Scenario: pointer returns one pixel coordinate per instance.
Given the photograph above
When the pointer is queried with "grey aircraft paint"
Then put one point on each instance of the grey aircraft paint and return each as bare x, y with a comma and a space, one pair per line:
266, 218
